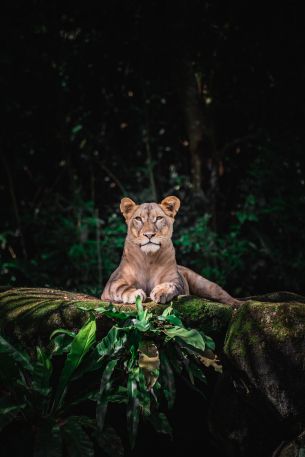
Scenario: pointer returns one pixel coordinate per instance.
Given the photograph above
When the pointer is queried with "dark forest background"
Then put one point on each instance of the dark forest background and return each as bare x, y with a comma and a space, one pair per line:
203, 100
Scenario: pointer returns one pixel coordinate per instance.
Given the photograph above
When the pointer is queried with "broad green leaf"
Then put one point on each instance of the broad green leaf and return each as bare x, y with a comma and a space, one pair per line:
209, 342
22, 358
133, 406
167, 311
48, 442
61, 344
105, 387
113, 342
141, 325
147, 315
79, 348
174, 320
76, 440
192, 337
62, 340
133, 349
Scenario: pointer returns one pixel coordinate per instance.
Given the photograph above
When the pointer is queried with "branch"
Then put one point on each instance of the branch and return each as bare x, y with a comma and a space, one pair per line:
113, 177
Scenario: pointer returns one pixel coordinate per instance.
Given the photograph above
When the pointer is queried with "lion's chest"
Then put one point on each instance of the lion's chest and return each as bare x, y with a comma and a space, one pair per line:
147, 278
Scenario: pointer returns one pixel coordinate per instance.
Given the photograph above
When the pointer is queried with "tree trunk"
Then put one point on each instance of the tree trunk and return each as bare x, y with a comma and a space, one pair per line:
204, 155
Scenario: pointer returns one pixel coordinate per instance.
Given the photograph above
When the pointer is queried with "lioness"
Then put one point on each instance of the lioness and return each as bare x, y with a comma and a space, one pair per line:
148, 266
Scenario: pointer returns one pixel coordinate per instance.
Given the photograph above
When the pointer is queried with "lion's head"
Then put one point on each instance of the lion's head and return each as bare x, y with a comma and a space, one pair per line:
150, 225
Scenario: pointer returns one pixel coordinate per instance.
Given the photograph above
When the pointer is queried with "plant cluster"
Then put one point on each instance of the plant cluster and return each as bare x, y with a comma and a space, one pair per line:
133, 365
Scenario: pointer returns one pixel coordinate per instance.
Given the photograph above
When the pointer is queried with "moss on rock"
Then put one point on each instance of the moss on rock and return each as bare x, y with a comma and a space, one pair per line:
30, 315
211, 317
265, 344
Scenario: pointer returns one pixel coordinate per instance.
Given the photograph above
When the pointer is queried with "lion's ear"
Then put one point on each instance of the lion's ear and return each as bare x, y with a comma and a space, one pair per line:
170, 205
127, 206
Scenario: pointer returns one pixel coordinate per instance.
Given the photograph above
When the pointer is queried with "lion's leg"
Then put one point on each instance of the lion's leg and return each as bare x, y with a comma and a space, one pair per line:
166, 291
119, 291
202, 287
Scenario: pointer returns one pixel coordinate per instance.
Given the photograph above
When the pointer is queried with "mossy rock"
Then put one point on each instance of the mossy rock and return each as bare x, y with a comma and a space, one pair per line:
29, 315
261, 394
266, 343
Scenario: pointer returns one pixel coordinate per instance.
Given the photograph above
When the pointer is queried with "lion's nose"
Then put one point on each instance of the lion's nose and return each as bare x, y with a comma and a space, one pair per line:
149, 234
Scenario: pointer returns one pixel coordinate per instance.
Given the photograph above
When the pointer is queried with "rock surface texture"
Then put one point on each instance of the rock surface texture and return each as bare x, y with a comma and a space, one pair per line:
258, 404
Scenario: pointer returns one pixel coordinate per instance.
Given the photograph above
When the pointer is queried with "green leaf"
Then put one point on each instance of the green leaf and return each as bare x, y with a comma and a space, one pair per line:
110, 312
113, 313
105, 387
62, 340
141, 325
48, 442
167, 311
113, 342
191, 337
79, 348
160, 423
209, 342
198, 372
110, 345
62, 331
76, 439
42, 370
77, 128
9, 410
140, 309
118, 395
22, 358
133, 349
174, 320
167, 380
143, 394
61, 344
133, 406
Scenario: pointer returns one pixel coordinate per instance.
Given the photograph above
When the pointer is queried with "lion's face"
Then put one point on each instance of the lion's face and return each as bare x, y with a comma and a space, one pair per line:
150, 225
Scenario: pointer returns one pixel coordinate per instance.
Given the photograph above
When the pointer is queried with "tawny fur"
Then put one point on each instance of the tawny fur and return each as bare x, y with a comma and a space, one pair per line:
148, 266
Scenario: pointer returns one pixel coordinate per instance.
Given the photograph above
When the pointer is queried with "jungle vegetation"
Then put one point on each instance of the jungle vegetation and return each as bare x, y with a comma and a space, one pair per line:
146, 99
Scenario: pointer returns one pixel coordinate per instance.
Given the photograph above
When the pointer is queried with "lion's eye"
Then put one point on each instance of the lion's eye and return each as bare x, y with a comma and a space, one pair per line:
159, 218
138, 218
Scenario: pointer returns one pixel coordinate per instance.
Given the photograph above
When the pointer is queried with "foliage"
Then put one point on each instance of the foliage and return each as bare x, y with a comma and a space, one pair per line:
77, 138
85, 247
133, 365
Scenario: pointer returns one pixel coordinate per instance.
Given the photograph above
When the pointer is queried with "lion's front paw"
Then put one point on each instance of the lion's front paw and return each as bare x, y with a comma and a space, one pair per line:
131, 295
163, 293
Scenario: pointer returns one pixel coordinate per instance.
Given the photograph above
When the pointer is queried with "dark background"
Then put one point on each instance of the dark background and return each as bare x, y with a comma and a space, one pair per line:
203, 100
